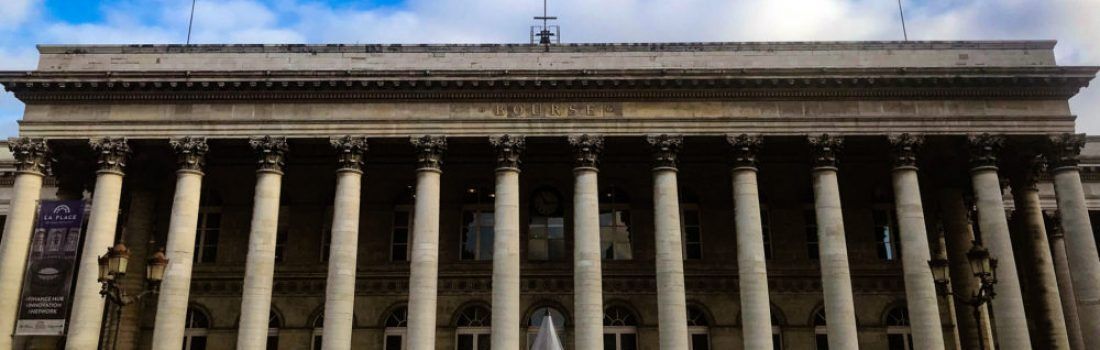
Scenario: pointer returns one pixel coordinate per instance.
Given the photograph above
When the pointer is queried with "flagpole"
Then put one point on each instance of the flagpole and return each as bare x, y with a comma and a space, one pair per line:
192, 21
901, 12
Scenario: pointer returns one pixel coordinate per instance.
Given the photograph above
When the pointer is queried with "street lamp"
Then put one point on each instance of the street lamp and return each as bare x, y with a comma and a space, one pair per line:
984, 267
112, 267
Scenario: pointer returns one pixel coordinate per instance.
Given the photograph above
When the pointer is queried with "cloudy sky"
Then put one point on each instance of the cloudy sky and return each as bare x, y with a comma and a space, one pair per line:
24, 23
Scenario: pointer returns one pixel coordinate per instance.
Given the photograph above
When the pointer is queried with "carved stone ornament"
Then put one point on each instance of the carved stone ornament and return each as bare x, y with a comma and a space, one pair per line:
745, 148
190, 152
903, 149
586, 150
1031, 169
984, 149
270, 153
111, 153
429, 151
1065, 150
349, 152
666, 149
508, 149
31, 155
824, 149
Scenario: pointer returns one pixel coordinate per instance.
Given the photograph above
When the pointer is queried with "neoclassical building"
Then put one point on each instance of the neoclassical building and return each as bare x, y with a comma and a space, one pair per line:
647, 196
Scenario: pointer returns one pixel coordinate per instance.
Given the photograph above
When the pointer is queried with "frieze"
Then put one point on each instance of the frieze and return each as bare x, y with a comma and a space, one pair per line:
543, 110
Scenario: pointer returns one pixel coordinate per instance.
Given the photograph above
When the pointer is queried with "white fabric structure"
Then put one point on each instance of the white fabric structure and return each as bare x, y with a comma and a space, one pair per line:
547, 338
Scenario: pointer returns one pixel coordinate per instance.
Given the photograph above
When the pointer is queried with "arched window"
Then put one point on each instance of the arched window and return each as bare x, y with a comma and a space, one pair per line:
395, 324
477, 224
473, 328
198, 325
546, 229
615, 225
401, 230
318, 331
274, 322
821, 334
536, 319
691, 225
620, 329
698, 328
898, 333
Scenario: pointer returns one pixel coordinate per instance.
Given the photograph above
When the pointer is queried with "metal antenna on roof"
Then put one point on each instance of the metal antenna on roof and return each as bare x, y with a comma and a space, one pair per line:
547, 34
901, 12
191, 21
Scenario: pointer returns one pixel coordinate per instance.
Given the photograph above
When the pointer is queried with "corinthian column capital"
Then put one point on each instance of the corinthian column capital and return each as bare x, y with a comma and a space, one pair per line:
984, 149
824, 149
429, 151
745, 149
190, 152
31, 155
586, 150
903, 149
349, 152
270, 153
508, 149
111, 154
666, 149
1065, 150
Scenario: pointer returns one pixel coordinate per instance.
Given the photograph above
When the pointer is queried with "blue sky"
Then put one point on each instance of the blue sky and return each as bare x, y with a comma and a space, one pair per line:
24, 23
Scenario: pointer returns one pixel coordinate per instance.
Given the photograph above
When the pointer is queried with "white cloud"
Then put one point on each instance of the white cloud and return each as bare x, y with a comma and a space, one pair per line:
14, 12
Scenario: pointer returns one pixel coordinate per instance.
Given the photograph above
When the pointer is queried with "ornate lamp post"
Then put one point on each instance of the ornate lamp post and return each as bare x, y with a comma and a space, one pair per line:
112, 267
984, 268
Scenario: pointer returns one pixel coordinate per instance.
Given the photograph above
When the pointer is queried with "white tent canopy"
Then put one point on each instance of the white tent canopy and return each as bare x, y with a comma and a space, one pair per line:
547, 338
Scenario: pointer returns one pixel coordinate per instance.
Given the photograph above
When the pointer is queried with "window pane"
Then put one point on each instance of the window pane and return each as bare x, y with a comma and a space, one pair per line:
605, 218
609, 342
213, 220
691, 217
629, 342
556, 232
316, 342
897, 342
700, 342
393, 342
557, 249
273, 343
465, 342
401, 218
483, 341
822, 342
694, 251
400, 235
400, 252
486, 249
691, 234
469, 243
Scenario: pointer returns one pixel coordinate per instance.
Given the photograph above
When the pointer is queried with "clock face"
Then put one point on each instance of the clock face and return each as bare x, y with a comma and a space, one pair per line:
546, 202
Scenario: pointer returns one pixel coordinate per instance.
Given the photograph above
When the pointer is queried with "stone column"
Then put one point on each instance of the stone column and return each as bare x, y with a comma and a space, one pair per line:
752, 270
30, 167
424, 267
671, 293
259, 273
343, 250
1008, 306
1065, 285
1049, 319
959, 237
180, 249
587, 268
138, 229
836, 279
920, 287
87, 309
506, 274
1081, 245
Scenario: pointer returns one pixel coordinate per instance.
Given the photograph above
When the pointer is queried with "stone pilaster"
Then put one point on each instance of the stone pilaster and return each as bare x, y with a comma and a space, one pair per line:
31, 160
752, 270
587, 264
920, 288
506, 243
424, 265
836, 277
1008, 306
343, 250
259, 272
87, 309
1080, 244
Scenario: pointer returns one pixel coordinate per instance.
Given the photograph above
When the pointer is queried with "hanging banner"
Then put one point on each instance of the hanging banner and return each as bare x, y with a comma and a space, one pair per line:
51, 265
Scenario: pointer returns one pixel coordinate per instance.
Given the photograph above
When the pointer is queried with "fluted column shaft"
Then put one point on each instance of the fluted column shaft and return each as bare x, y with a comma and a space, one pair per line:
671, 293
836, 277
506, 262
1065, 284
1008, 306
87, 310
424, 267
344, 246
30, 169
1050, 319
920, 288
587, 272
259, 275
752, 271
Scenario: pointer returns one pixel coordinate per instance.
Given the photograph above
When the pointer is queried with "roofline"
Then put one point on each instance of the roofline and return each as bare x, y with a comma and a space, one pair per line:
530, 48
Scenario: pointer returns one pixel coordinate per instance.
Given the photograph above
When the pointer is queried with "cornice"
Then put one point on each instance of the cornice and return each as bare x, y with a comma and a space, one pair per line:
785, 83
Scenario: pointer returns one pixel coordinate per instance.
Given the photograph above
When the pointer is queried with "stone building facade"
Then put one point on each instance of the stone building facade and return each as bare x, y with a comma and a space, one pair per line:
648, 196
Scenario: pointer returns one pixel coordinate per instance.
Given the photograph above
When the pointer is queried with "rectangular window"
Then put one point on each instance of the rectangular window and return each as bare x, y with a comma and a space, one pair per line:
326, 235
886, 235
809, 217
699, 338
693, 234
615, 234
766, 231
477, 234
547, 238
401, 236
473, 339
206, 237
282, 234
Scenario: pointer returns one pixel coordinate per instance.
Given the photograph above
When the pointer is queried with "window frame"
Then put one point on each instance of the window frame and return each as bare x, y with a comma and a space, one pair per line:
401, 330
317, 336
202, 235
282, 234
326, 234
766, 232
409, 212
891, 249
190, 332
820, 329
904, 329
809, 225
684, 209
477, 211
616, 209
